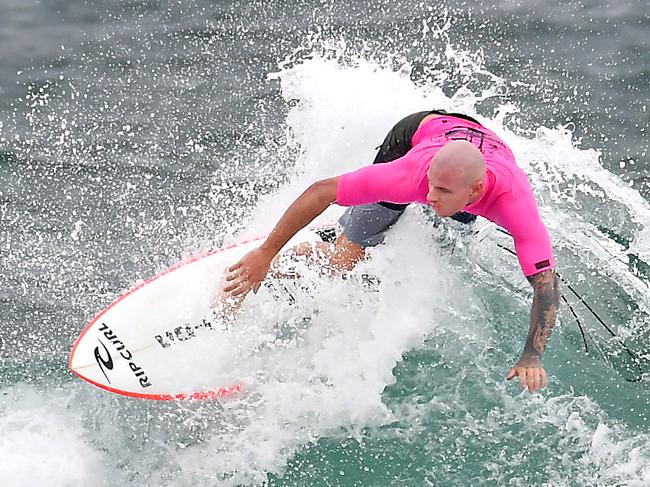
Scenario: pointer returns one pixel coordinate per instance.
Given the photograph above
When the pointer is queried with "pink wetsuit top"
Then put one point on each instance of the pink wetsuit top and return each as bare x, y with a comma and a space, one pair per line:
507, 199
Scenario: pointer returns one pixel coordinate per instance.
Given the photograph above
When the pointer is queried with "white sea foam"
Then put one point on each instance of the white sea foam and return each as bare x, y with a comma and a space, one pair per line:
41, 443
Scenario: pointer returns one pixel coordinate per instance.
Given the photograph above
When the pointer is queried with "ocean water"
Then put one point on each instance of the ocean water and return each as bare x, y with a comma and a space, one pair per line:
137, 133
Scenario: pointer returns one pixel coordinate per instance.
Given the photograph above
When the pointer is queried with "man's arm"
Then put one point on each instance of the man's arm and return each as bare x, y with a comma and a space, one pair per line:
377, 182
250, 271
546, 301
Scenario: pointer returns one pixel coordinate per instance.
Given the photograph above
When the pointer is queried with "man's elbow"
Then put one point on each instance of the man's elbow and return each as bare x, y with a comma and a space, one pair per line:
547, 280
325, 190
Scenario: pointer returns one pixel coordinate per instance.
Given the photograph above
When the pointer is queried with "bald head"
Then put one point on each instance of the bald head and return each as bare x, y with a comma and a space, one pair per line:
456, 177
463, 158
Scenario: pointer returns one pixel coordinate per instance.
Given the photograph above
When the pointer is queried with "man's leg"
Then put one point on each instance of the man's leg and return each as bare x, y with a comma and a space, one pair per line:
346, 253
330, 258
362, 227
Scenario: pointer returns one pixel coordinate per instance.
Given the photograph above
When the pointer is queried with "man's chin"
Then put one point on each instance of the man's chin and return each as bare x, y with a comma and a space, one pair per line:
443, 213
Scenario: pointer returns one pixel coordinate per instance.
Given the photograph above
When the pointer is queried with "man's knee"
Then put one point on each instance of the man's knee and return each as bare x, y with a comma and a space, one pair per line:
347, 253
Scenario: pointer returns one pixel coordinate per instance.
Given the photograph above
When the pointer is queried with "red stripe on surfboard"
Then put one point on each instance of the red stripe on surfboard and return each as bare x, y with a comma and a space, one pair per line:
210, 394
220, 392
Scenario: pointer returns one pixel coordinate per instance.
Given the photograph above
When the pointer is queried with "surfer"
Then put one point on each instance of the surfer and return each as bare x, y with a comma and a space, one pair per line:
461, 169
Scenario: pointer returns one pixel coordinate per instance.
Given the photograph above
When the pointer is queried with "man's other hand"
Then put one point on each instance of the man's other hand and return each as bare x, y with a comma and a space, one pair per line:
531, 373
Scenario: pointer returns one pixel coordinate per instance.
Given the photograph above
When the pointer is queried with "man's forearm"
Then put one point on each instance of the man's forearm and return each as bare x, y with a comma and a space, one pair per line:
307, 207
546, 300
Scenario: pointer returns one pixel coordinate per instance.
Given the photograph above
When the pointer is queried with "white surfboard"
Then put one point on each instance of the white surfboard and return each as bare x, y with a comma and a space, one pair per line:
160, 340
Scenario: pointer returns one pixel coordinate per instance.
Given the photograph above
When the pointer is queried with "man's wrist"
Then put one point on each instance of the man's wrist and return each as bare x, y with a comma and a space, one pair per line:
530, 360
269, 248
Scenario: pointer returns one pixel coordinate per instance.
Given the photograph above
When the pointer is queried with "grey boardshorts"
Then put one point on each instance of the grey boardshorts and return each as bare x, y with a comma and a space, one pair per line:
365, 225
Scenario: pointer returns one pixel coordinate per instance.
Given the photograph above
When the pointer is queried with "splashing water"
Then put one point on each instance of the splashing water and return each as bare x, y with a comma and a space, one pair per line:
400, 384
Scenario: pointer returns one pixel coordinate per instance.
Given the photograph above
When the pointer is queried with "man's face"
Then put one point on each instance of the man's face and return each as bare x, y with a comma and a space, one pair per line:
448, 191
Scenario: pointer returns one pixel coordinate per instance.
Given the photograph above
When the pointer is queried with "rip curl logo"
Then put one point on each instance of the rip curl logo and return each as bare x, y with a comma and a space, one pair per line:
124, 352
104, 363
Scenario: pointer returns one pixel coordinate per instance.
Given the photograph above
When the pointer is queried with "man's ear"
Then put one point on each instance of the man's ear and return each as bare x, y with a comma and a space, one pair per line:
477, 188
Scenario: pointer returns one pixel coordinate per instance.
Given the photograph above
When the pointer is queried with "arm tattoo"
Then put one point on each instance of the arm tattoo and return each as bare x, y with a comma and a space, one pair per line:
546, 300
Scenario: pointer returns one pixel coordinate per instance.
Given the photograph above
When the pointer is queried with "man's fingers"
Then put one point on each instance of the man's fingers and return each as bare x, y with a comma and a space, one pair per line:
236, 278
231, 287
231, 276
522, 377
236, 285
239, 283
235, 274
533, 380
239, 290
